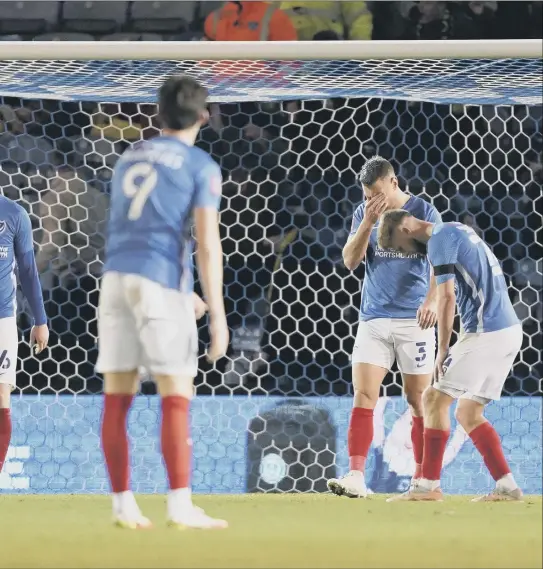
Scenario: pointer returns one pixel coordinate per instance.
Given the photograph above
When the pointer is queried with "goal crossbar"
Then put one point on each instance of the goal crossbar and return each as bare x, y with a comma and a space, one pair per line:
280, 50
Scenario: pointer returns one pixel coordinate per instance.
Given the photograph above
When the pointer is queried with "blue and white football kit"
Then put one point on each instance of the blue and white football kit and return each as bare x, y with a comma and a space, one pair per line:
16, 255
491, 337
395, 285
146, 312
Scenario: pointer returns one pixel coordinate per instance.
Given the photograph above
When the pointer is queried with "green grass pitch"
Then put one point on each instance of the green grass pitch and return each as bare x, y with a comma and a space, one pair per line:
269, 531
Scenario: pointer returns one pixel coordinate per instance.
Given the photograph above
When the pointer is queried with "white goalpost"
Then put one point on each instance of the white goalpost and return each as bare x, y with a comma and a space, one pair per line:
279, 51
291, 125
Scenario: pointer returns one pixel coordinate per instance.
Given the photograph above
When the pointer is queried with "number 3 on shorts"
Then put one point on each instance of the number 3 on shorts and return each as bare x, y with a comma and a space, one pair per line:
138, 182
422, 351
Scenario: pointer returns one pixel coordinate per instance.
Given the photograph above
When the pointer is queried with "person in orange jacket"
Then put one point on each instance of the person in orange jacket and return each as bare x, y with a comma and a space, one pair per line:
249, 21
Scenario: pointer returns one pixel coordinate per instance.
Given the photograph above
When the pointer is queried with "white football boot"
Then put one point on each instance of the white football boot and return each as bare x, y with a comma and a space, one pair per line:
195, 518
420, 491
506, 490
126, 512
352, 485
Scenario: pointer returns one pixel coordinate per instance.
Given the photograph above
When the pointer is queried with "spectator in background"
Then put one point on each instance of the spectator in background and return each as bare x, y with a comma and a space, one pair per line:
349, 20
249, 21
483, 16
72, 225
439, 21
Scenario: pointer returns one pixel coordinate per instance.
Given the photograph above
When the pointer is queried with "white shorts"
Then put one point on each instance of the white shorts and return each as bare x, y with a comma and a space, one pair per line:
9, 345
479, 365
382, 340
143, 324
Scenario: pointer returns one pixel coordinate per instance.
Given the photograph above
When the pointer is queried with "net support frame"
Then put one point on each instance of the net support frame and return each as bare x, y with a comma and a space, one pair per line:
280, 50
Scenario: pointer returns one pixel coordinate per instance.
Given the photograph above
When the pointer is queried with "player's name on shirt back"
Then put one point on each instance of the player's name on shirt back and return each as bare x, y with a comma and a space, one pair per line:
170, 159
457, 252
156, 186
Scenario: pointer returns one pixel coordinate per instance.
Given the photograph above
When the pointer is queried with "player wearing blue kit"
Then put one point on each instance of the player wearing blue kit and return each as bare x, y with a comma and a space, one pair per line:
146, 313
16, 256
397, 319
474, 370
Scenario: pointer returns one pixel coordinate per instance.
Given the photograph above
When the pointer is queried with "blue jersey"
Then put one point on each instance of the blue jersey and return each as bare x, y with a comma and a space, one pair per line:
17, 253
395, 284
155, 187
457, 252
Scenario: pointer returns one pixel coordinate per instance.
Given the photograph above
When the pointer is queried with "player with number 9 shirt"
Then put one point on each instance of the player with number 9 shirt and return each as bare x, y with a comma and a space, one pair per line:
474, 370
146, 313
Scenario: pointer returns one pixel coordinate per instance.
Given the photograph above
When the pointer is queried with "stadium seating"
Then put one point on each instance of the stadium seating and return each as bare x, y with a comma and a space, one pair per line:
131, 36
28, 18
161, 17
64, 36
93, 17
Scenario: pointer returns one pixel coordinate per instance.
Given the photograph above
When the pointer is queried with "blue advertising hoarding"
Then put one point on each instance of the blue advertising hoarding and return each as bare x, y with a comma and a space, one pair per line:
56, 446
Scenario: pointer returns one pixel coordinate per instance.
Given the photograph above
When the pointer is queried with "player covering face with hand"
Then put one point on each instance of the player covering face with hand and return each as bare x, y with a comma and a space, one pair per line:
474, 370
146, 314
397, 319
16, 253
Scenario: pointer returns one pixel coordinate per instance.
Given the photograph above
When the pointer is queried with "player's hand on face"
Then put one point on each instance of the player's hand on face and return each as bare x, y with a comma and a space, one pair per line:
427, 315
39, 338
219, 339
375, 207
200, 307
438, 368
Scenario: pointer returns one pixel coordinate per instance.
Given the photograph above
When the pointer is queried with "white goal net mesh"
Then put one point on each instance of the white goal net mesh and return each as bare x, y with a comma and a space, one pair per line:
290, 138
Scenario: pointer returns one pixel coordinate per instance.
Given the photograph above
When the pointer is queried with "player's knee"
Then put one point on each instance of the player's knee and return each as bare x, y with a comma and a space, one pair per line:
414, 400
367, 381
5, 396
430, 398
365, 399
469, 414
169, 385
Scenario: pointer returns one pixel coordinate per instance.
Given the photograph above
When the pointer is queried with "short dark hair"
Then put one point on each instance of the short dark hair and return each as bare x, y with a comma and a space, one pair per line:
374, 169
389, 221
181, 102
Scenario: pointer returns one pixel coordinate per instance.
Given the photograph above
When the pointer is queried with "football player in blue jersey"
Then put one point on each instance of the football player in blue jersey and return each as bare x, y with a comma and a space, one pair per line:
474, 370
146, 315
16, 255
397, 319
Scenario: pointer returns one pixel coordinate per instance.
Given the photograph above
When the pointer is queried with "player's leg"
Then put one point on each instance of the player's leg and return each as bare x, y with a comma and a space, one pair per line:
5, 422
118, 360
469, 413
503, 347
176, 444
373, 356
415, 354
437, 428
463, 372
119, 391
169, 337
8, 371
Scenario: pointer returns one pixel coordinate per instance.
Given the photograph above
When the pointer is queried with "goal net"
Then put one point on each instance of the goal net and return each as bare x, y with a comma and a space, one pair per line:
290, 136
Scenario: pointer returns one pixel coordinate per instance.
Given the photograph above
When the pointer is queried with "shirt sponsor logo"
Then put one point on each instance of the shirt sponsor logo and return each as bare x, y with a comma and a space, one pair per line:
396, 255
4, 251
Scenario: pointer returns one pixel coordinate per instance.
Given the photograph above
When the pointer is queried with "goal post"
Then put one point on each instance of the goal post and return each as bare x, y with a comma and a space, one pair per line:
271, 51
291, 125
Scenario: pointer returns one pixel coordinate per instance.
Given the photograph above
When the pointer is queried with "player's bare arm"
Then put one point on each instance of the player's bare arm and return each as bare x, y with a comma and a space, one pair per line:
355, 249
446, 306
200, 307
30, 283
427, 313
210, 267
